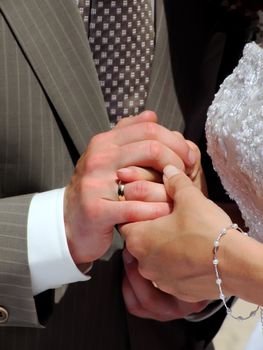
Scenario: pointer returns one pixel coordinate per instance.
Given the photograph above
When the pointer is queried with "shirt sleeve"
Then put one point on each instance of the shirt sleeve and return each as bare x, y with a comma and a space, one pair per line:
50, 261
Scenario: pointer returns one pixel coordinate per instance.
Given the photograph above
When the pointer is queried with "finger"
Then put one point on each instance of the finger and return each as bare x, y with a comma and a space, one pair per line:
150, 301
131, 301
193, 171
146, 116
147, 153
175, 180
178, 135
152, 131
186, 308
145, 191
133, 211
178, 309
134, 173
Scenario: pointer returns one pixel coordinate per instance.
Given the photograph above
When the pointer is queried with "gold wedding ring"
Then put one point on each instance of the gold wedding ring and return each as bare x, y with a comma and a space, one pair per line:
121, 196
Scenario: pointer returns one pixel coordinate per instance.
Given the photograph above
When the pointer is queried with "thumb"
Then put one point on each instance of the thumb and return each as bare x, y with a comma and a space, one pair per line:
175, 180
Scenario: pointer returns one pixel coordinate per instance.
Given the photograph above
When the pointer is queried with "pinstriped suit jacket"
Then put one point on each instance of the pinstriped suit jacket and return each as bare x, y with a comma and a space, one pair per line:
50, 106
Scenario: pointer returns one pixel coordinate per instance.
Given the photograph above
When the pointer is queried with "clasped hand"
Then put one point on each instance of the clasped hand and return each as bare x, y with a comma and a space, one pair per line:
176, 251
141, 149
91, 206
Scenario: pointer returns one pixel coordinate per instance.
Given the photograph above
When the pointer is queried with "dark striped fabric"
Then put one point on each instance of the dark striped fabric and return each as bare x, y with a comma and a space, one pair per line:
50, 107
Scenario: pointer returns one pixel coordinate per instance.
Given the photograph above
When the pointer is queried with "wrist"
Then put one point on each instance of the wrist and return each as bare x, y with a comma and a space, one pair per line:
241, 267
75, 246
78, 254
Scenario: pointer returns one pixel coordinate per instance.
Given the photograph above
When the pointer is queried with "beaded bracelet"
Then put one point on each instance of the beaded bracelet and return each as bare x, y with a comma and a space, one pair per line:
219, 282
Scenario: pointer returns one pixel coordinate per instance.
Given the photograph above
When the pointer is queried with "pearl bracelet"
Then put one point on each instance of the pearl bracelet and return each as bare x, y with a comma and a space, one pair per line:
219, 282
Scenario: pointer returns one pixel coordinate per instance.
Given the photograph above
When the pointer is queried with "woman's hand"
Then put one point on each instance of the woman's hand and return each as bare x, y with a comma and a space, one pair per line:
91, 206
175, 251
142, 299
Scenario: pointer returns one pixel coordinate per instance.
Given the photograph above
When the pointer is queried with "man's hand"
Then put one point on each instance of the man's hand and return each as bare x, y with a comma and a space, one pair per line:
91, 206
141, 175
142, 299
175, 251
196, 172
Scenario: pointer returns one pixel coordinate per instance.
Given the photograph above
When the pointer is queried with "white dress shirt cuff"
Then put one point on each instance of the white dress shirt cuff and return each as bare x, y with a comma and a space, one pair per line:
50, 261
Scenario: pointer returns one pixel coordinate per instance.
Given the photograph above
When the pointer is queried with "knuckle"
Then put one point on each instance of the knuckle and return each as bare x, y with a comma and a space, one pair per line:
97, 139
93, 162
123, 122
196, 150
151, 130
160, 210
131, 212
135, 246
178, 135
155, 149
141, 190
99, 160
193, 146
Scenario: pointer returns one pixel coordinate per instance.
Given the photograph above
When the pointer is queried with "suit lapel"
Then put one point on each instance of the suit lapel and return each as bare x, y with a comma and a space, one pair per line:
162, 97
60, 56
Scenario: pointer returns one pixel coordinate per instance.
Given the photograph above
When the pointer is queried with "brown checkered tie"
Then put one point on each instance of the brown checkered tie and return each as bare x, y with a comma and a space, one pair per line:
121, 37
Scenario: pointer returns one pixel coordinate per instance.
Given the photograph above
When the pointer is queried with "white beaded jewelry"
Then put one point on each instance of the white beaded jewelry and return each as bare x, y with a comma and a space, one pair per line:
219, 282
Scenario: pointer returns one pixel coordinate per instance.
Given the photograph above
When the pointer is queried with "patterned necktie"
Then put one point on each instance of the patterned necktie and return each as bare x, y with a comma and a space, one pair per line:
121, 37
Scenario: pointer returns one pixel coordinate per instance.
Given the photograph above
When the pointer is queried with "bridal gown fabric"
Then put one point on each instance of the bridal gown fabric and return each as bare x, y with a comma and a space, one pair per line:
234, 131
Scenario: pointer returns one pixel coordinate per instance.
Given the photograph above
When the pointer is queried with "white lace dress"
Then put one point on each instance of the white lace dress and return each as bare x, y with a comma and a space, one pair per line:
234, 131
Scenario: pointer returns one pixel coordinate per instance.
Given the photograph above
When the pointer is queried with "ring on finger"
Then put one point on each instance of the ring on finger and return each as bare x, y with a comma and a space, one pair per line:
120, 191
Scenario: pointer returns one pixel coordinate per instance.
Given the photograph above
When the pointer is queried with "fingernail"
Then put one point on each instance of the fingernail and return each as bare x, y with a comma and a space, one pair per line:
191, 157
127, 257
171, 170
123, 171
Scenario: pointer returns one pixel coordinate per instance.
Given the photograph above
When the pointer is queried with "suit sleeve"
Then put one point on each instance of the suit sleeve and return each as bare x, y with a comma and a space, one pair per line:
19, 306
15, 283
